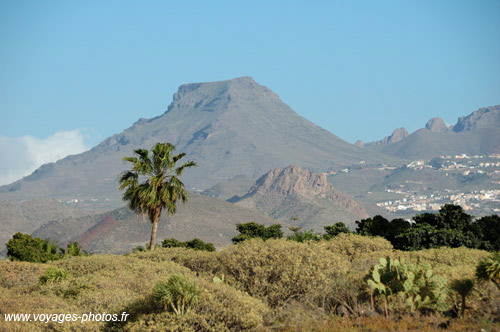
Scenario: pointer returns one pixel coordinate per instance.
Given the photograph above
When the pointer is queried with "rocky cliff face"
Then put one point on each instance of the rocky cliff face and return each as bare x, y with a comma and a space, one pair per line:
397, 135
289, 192
487, 117
436, 125
292, 180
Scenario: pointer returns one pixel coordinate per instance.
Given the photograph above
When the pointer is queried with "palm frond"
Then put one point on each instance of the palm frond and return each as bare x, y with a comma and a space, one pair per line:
180, 169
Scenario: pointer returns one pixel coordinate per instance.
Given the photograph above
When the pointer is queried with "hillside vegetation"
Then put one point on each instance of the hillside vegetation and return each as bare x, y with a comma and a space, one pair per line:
276, 285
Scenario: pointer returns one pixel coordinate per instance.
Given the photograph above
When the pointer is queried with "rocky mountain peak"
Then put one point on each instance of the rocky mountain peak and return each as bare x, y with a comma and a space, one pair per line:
359, 143
487, 117
211, 96
296, 192
436, 125
292, 180
398, 135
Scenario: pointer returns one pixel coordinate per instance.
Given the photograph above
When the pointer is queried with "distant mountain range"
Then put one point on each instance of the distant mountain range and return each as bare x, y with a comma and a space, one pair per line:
230, 128
243, 138
475, 134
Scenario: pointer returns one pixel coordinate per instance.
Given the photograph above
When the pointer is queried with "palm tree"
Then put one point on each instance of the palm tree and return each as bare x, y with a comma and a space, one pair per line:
161, 188
463, 287
489, 269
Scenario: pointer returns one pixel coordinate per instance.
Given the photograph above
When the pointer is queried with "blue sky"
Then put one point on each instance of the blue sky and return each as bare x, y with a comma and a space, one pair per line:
357, 68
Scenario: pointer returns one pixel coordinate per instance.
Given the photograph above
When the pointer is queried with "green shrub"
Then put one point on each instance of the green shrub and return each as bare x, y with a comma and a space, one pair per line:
23, 247
53, 275
196, 244
336, 229
177, 294
172, 243
413, 284
252, 230
301, 236
74, 249
138, 249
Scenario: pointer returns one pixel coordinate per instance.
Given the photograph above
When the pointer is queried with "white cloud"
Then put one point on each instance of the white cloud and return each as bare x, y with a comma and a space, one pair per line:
22, 155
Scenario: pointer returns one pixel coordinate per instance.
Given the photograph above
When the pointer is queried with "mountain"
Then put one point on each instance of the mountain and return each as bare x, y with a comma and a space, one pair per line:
26, 217
424, 144
487, 117
436, 125
120, 230
475, 134
295, 192
230, 128
237, 186
396, 136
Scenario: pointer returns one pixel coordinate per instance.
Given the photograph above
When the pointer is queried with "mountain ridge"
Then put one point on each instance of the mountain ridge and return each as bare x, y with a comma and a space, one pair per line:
475, 134
233, 127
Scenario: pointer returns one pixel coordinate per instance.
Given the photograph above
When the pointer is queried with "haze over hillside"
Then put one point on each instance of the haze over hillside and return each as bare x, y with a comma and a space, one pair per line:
119, 231
230, 128
28, 216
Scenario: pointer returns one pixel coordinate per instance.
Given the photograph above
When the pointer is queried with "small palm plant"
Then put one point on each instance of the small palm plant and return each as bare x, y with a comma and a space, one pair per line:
463, 287
53, 275
488, 269
177, 294
74, 249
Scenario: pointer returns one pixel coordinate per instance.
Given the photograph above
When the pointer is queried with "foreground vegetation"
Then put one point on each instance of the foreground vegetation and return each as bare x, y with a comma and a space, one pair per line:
347, 283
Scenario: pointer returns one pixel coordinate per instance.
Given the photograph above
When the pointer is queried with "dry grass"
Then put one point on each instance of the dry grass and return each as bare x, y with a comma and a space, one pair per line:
276, 285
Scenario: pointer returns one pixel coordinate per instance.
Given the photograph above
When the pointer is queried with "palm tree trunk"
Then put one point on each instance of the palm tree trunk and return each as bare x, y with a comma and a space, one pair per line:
463, 306
385, 308
153, 234
371, 299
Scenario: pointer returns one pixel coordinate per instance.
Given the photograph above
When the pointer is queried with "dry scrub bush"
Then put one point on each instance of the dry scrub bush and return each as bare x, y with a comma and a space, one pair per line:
280, 270
219, 308
20, 274
406, 323
201, 262
117, 280
352, 245
35, 302
295, 314
450, 256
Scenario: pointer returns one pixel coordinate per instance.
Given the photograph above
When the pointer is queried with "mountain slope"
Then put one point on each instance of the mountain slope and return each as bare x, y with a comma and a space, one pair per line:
25, 217
475, 134
487, 117
294, 192
396, 136
120, 230
237, 186
230, 128
424, 144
